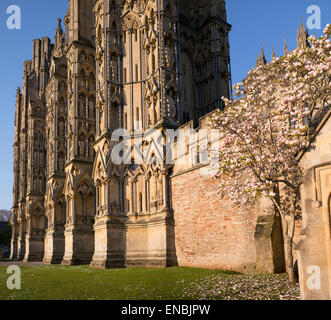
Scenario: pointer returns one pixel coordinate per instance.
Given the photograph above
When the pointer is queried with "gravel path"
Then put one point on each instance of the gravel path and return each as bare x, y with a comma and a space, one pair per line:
5, 263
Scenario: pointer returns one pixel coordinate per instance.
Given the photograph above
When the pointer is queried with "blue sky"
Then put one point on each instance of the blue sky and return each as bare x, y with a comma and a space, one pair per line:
255, 23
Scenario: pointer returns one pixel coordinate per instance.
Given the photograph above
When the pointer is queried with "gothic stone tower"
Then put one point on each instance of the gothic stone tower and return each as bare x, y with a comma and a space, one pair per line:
56, 119
21, 129
79, 190
16, 173
137, 65
158, 65
28, 218
36, 150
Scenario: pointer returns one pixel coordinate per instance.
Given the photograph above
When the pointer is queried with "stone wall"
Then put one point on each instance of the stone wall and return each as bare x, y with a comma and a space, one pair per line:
314, 249
213, 233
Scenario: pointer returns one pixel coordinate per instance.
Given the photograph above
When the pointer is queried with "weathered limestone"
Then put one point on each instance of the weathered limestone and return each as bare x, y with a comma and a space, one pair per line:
20, 248
80, 204
56, 118
314, 249
54, 247
21, 237
78, 189
134, 222
36, 79
13, 242
143, 66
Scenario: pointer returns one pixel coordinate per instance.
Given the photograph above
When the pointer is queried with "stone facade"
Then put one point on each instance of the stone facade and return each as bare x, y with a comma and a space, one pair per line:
144, 66
314, 247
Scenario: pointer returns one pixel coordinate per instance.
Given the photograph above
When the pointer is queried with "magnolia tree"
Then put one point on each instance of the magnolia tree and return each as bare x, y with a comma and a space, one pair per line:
269, 124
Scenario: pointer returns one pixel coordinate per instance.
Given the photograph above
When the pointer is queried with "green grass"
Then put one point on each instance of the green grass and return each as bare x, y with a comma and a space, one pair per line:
176, 283
82, 282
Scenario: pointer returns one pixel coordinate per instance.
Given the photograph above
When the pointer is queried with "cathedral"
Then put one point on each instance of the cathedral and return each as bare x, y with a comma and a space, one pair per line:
138, 65
122, 71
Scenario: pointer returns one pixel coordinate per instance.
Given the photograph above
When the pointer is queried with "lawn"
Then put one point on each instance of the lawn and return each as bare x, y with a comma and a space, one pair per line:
82, 282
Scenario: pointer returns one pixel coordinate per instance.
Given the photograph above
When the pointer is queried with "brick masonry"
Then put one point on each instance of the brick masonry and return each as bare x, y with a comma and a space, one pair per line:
210, 232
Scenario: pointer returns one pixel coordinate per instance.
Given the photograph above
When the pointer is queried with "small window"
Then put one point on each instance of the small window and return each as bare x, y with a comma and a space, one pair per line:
137, 73
135, 35
200, 154
204, 155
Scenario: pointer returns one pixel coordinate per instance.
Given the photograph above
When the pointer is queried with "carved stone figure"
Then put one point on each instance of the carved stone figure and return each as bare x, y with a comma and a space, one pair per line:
61, 128
81, 145
82, 102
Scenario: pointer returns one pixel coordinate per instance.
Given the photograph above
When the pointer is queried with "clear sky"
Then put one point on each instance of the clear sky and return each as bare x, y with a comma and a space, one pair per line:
254, 23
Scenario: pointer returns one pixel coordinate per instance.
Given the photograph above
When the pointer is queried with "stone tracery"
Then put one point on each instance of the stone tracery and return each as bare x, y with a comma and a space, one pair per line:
138, 65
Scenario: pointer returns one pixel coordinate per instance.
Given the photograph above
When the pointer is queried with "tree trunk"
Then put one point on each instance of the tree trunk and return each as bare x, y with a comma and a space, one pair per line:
289, 258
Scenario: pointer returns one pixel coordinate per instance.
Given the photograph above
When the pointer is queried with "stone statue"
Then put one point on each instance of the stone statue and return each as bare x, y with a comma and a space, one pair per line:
91, 108
82, 106
61, 128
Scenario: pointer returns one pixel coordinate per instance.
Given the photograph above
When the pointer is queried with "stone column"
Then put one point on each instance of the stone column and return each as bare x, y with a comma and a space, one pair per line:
13, 243
54, 240
21, 240
110, 234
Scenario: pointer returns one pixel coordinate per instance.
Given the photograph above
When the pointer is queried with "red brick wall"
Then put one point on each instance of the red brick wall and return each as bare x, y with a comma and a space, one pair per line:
210, 232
